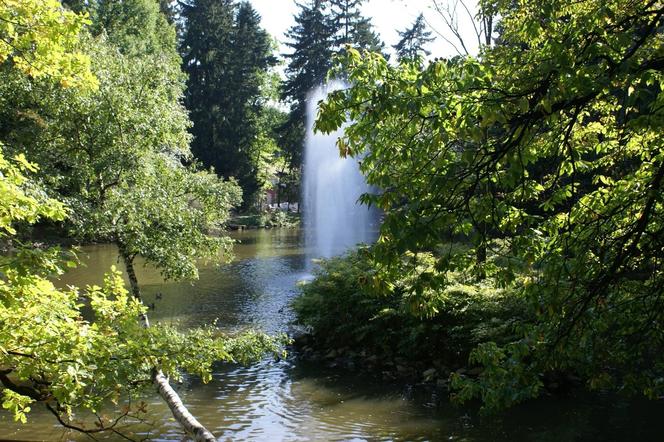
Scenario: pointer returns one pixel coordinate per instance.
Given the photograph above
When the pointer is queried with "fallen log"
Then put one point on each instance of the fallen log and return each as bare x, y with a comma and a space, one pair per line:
180, 412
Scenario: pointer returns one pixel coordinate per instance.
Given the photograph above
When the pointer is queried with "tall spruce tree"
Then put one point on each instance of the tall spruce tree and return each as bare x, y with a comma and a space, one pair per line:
226, 54
312, 41
352, 27
413, 40
322, 28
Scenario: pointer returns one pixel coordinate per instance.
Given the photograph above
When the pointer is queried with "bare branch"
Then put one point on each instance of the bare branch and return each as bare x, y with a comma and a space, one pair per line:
448, 41
478, 32
450, 19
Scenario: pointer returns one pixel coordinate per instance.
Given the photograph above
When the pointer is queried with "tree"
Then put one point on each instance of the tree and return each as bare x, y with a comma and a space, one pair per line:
352, 27
322, 29
227, 55
413, 40
545, 154
113, 153
137, 26
252, 57
313, 45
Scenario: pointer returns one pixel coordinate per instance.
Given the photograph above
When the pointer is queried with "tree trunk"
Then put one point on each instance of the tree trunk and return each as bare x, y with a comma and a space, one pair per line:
480, 255
180, 412
167, 393
133, 280
481, 251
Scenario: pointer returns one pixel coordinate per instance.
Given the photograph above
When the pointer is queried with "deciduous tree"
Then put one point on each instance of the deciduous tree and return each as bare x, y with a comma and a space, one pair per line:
112, 151
546, 153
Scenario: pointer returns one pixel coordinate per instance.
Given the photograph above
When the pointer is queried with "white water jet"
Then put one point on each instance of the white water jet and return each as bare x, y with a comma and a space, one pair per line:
333, 217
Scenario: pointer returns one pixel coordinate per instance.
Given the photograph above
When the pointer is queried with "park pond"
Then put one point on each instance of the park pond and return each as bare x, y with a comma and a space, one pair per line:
292, 400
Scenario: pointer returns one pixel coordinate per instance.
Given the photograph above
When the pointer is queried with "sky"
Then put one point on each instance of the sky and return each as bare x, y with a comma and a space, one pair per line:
387, 16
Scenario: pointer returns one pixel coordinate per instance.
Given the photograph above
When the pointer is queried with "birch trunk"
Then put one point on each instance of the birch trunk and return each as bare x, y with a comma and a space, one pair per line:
180, 412
188, 422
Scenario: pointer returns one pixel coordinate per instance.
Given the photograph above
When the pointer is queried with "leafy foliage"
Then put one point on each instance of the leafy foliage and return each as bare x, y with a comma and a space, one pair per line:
55, 355
116, 157
22, 200
113, 167
342, 308
39, 38
544, 155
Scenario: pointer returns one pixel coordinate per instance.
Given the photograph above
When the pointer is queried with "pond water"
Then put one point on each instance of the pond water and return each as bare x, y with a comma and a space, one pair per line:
289, 401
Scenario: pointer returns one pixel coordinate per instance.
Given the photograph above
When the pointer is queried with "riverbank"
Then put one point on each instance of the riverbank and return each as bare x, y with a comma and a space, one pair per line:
264, 220
436, 374
432, 374
351, 325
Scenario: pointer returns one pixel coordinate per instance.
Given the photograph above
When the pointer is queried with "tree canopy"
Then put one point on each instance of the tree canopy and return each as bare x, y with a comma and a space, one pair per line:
102, 114
543, 155
39, 39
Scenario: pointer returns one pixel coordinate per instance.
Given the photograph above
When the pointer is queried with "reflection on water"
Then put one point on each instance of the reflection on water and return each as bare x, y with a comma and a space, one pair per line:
278, 400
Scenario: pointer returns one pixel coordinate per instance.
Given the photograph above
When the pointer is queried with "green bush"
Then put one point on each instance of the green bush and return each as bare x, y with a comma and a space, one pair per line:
279, 218
343, 306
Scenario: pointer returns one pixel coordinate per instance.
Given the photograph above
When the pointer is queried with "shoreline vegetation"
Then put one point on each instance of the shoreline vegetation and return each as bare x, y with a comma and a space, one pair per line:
345, 322
264, 220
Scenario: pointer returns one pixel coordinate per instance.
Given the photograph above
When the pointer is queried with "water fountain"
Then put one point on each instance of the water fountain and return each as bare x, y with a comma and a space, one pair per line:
333, 218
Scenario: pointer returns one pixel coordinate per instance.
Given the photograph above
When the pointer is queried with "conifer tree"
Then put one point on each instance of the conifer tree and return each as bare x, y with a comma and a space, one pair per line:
323, 28
413, 40
352, 27
226, 54
312, 41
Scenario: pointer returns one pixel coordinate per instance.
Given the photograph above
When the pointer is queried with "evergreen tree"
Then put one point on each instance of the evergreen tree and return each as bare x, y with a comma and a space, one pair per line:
413, 40
352, 27
208, 29
322, 28
226, 54
169, 9
251, 56
313, 45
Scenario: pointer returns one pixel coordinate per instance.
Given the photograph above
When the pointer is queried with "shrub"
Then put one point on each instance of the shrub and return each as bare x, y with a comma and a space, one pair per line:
343, 306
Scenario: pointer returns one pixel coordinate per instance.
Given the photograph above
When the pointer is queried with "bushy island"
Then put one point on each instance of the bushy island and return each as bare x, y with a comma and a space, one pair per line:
522, 194
408, 333
264, 219
356, 323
